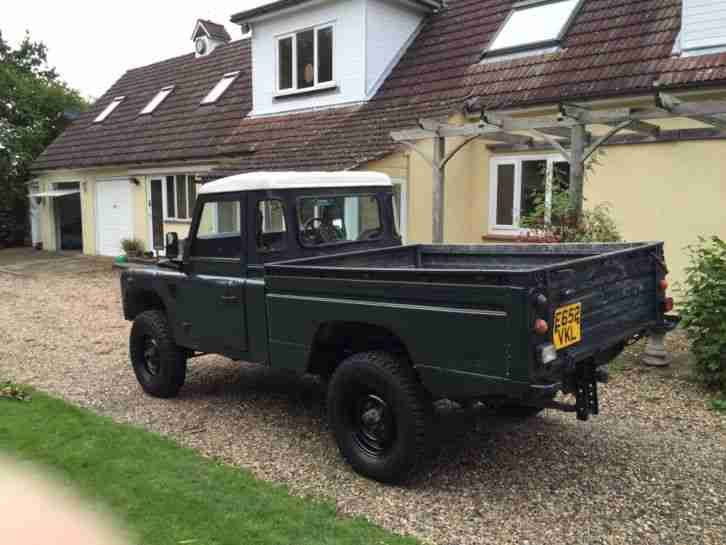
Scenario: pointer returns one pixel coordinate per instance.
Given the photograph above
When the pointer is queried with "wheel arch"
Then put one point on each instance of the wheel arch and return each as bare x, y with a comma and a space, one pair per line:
141, 300
336, 340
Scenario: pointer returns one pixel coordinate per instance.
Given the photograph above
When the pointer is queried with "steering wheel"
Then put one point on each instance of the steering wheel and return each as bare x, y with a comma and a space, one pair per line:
310, 232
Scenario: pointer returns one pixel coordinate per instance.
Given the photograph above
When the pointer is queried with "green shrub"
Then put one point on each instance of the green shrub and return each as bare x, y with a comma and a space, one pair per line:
704, 309
132, 246
595, 224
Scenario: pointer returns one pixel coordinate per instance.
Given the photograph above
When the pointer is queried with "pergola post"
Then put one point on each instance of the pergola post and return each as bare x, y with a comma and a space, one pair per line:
578, 144
438, 167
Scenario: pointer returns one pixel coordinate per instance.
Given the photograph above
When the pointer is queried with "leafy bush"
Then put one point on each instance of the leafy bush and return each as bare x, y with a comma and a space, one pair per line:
704, 309
132, 246
594, 225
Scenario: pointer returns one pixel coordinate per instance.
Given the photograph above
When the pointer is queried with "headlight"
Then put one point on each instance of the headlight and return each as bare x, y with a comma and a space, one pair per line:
547, 353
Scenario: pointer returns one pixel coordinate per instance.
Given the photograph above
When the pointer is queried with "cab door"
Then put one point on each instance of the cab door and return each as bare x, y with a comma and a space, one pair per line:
210, 303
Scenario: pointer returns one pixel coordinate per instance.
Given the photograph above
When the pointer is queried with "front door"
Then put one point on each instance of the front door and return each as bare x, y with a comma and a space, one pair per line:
210, 314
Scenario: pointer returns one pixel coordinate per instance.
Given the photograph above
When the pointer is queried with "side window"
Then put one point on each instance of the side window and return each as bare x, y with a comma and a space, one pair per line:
271, 228
219, 233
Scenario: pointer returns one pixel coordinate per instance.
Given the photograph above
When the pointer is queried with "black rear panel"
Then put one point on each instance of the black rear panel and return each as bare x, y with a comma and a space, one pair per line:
618, 294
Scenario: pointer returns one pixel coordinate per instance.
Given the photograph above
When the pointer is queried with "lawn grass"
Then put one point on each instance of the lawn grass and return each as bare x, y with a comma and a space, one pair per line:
165, 494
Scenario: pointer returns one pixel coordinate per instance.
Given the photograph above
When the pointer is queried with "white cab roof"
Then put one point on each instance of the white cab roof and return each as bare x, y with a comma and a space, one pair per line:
294, 180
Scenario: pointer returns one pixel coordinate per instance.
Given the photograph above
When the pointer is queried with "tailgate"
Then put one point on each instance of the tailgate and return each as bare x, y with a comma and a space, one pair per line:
613, 295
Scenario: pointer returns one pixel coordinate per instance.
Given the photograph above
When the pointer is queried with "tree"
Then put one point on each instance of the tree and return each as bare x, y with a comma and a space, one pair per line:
35, 107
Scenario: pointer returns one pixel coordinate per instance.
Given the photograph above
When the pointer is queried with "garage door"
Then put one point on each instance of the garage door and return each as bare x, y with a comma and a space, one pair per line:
114, 217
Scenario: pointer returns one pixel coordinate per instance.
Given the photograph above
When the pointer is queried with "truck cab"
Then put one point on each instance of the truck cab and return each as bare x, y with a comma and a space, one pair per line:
214, 289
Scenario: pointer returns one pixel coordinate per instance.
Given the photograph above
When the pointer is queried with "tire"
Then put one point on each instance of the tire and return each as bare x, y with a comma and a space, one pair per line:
159, 364
380, 415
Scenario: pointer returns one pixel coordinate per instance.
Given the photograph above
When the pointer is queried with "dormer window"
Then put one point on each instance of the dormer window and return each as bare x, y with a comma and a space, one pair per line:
220, 88
533, 25
305, 60
108, 109
158, 99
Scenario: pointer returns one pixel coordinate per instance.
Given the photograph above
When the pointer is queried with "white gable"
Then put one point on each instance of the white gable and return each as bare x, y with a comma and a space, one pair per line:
369, 37
703, 27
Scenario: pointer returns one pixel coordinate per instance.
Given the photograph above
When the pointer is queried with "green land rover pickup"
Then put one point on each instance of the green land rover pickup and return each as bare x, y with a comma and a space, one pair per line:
307, 272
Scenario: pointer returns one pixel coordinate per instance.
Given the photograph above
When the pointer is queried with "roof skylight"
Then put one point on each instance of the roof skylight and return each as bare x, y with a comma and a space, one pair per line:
108, 109
533, 24
220, 88
158, 99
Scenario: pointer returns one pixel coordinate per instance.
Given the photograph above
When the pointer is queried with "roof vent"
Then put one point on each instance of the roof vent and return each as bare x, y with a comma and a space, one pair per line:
207, 36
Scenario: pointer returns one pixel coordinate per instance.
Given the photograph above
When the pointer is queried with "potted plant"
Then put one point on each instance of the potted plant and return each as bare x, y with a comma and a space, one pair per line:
133, 247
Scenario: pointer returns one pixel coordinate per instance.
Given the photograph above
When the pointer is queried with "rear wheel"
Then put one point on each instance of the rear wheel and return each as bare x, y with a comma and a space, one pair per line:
379, 414
159, 364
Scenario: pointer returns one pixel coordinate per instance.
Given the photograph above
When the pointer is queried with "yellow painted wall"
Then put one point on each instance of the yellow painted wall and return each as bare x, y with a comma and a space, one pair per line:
87, 181
466, 190
672, 192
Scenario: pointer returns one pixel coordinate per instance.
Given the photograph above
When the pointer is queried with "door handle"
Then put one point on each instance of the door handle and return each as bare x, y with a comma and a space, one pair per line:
230, 299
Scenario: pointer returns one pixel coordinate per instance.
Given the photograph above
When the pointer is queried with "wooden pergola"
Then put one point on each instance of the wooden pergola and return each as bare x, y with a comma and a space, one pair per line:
569, 134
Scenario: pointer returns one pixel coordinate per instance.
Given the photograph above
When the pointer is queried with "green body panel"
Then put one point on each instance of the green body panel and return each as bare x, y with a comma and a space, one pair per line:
256, 313
474, 329
210, 303
453, 384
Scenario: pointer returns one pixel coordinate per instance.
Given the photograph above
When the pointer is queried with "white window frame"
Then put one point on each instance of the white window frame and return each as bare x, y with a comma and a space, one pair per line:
164, 198
220, 88
158, 99
317, 86
532, 46
517, 160
108, 110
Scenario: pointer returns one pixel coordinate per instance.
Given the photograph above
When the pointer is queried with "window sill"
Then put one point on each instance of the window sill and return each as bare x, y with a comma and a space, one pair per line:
308, 90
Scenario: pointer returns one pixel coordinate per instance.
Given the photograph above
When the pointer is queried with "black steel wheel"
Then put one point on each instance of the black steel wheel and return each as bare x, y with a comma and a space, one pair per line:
159, 364
379, 413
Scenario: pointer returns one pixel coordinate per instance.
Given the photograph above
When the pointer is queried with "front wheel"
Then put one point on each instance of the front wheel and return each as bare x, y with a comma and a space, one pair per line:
379, 414
159, 364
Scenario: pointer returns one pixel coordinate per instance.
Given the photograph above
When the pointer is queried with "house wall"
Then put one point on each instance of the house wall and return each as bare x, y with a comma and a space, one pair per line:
368, 38
389, 27
703, 28
349, 71
87, 179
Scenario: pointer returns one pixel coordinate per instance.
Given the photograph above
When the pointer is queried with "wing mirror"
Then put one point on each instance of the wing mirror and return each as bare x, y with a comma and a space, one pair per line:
171, 245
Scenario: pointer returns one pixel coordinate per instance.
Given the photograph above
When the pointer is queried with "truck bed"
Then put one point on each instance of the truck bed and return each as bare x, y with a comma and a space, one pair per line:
470, 308
493, 263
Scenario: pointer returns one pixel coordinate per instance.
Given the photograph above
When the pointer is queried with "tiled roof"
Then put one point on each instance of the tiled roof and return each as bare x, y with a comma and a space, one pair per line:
614, 48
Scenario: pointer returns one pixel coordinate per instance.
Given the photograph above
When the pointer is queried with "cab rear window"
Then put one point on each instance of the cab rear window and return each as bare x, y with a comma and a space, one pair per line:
339, 219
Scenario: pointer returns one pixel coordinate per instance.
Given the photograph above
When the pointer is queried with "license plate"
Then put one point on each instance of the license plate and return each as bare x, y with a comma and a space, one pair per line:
568, 326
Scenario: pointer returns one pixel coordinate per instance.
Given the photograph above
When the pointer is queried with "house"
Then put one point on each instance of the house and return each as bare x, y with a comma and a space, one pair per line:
321, 84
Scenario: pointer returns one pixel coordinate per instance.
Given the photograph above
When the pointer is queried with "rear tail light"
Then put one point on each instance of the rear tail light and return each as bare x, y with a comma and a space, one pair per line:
663, 284
541, 327
668, 304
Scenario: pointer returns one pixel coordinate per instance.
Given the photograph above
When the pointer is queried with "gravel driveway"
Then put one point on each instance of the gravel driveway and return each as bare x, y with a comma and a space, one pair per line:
651, 469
